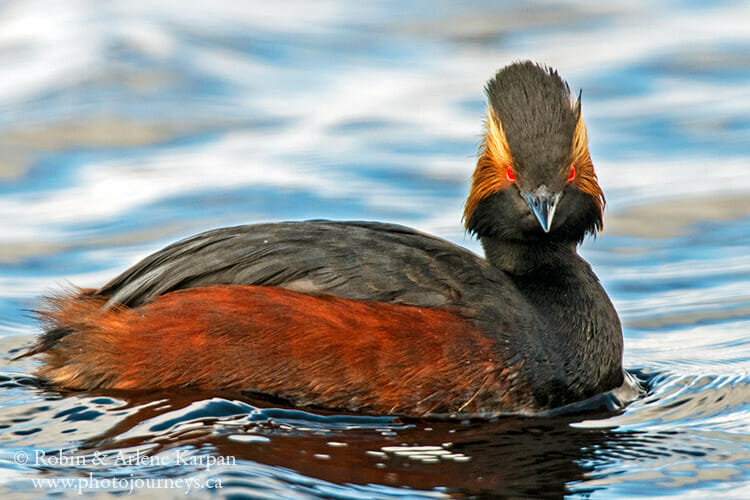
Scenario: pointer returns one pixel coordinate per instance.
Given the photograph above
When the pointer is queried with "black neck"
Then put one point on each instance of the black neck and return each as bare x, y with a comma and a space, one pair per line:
581, 330
521, 258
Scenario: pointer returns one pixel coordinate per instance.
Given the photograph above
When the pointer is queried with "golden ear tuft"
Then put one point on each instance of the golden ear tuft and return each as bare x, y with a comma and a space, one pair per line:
494, 158
586, 180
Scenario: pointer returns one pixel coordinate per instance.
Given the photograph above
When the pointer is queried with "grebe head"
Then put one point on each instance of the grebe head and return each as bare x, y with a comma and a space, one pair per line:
534, 180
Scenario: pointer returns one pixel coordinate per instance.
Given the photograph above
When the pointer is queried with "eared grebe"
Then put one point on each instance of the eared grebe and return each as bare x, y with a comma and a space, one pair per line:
378, 318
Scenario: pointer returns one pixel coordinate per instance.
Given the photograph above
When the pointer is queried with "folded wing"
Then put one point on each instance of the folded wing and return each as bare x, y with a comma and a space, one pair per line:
361, 261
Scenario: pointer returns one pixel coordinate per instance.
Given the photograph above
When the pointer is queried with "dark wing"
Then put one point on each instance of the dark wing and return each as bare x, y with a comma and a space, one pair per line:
363, 261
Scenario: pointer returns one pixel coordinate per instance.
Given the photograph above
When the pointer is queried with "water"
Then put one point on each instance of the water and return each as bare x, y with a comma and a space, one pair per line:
126, 125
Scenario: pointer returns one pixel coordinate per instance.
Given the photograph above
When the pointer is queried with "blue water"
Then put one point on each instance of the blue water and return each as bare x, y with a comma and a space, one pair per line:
127, 125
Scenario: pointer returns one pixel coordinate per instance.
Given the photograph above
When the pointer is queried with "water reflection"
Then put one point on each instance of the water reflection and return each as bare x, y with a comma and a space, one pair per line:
537, 457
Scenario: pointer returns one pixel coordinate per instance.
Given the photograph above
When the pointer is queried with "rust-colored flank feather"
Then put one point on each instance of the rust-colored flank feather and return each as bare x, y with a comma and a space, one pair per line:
319, 351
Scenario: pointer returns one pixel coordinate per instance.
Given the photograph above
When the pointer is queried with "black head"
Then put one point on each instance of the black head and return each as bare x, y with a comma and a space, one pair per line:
534, 179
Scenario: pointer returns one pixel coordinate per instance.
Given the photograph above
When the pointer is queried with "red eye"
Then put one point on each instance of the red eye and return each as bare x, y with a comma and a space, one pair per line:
572, 173
509, 174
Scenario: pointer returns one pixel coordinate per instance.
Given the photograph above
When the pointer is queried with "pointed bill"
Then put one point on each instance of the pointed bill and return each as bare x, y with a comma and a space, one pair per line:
543, 203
